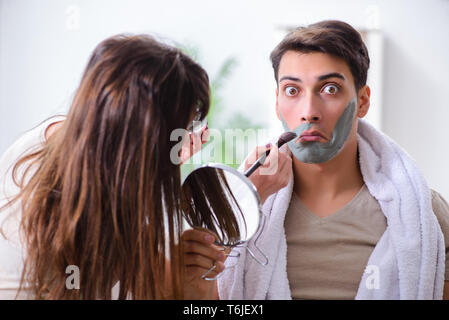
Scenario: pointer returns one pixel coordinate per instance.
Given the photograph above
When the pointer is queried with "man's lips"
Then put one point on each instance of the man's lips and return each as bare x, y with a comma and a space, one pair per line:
310, 135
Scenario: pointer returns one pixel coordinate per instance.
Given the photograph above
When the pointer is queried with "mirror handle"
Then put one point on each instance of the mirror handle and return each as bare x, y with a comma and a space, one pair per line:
255, 258
262, 225
205, 277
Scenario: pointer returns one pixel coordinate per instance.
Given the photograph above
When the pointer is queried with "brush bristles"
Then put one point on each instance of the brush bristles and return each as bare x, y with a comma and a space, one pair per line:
286, 137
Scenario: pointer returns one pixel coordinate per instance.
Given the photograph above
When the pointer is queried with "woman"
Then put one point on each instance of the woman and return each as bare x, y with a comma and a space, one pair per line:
98, 190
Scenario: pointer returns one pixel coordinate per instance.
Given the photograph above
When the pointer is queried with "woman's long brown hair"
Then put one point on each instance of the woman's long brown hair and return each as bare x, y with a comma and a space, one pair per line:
105, 195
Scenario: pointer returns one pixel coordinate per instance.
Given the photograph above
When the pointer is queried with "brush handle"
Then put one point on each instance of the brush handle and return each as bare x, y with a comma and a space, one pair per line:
284, 138
261, 160
257, 164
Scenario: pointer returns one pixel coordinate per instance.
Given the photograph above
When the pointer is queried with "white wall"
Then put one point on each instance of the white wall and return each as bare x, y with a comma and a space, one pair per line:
44, 45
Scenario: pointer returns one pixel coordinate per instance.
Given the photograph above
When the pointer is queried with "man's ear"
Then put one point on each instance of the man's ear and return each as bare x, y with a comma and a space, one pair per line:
277, 104
363, 102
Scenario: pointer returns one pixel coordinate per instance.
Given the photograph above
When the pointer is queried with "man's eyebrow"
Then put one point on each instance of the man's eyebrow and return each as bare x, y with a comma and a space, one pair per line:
331, 75
289, 78
320, 78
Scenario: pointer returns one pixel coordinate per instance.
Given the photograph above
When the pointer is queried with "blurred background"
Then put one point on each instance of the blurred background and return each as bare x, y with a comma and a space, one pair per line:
45, 44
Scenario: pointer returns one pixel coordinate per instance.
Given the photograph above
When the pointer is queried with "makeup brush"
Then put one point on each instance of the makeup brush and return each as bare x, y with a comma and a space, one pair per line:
284, 138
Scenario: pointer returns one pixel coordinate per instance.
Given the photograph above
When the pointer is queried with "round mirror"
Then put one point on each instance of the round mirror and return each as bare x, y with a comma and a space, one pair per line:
224, 201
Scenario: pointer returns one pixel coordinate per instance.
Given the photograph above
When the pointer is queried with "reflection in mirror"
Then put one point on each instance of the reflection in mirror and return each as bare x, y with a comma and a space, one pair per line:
221, 199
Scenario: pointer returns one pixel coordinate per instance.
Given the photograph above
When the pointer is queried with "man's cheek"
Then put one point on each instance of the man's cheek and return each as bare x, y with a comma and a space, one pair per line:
290, 116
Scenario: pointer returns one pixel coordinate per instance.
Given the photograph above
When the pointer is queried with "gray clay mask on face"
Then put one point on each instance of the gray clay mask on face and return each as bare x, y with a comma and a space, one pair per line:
318, 152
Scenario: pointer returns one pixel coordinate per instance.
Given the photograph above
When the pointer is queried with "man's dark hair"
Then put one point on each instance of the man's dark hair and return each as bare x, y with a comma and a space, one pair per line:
332, 37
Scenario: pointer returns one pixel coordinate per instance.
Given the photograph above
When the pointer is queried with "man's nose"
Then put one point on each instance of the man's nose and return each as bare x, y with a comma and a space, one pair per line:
310, 110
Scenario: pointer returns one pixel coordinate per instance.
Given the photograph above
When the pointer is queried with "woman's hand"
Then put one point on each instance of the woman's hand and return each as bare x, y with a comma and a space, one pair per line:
273, 175
194, 143
200, 254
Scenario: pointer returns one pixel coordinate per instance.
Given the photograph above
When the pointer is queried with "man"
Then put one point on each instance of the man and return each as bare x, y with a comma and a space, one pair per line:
357, 219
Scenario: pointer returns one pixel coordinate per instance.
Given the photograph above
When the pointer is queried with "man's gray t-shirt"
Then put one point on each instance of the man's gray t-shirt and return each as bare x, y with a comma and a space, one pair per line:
326, 257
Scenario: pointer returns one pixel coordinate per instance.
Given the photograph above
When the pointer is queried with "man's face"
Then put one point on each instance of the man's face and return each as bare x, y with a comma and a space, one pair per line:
316, 98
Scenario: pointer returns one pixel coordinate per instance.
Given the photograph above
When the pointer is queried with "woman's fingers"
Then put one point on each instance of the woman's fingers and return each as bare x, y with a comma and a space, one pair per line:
200, 270
200, 250
209, 251
198, 260
256, 154
193, 143
274, 174
199, 235
205, 134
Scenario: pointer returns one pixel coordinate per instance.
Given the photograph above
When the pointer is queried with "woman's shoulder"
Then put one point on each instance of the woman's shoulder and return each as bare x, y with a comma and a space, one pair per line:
439, 205
441, 209
30, 141
26, 143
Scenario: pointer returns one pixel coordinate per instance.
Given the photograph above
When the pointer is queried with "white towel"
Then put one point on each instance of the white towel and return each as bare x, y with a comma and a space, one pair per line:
409, 259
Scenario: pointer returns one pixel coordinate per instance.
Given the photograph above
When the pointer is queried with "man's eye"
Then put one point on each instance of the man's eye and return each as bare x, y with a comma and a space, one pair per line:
330, 89
291, 91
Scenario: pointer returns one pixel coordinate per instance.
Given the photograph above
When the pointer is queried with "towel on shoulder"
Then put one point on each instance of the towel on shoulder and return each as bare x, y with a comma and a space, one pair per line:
409, 257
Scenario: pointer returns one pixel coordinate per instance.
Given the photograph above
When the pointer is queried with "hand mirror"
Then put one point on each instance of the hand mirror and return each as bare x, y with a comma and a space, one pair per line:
221, 199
